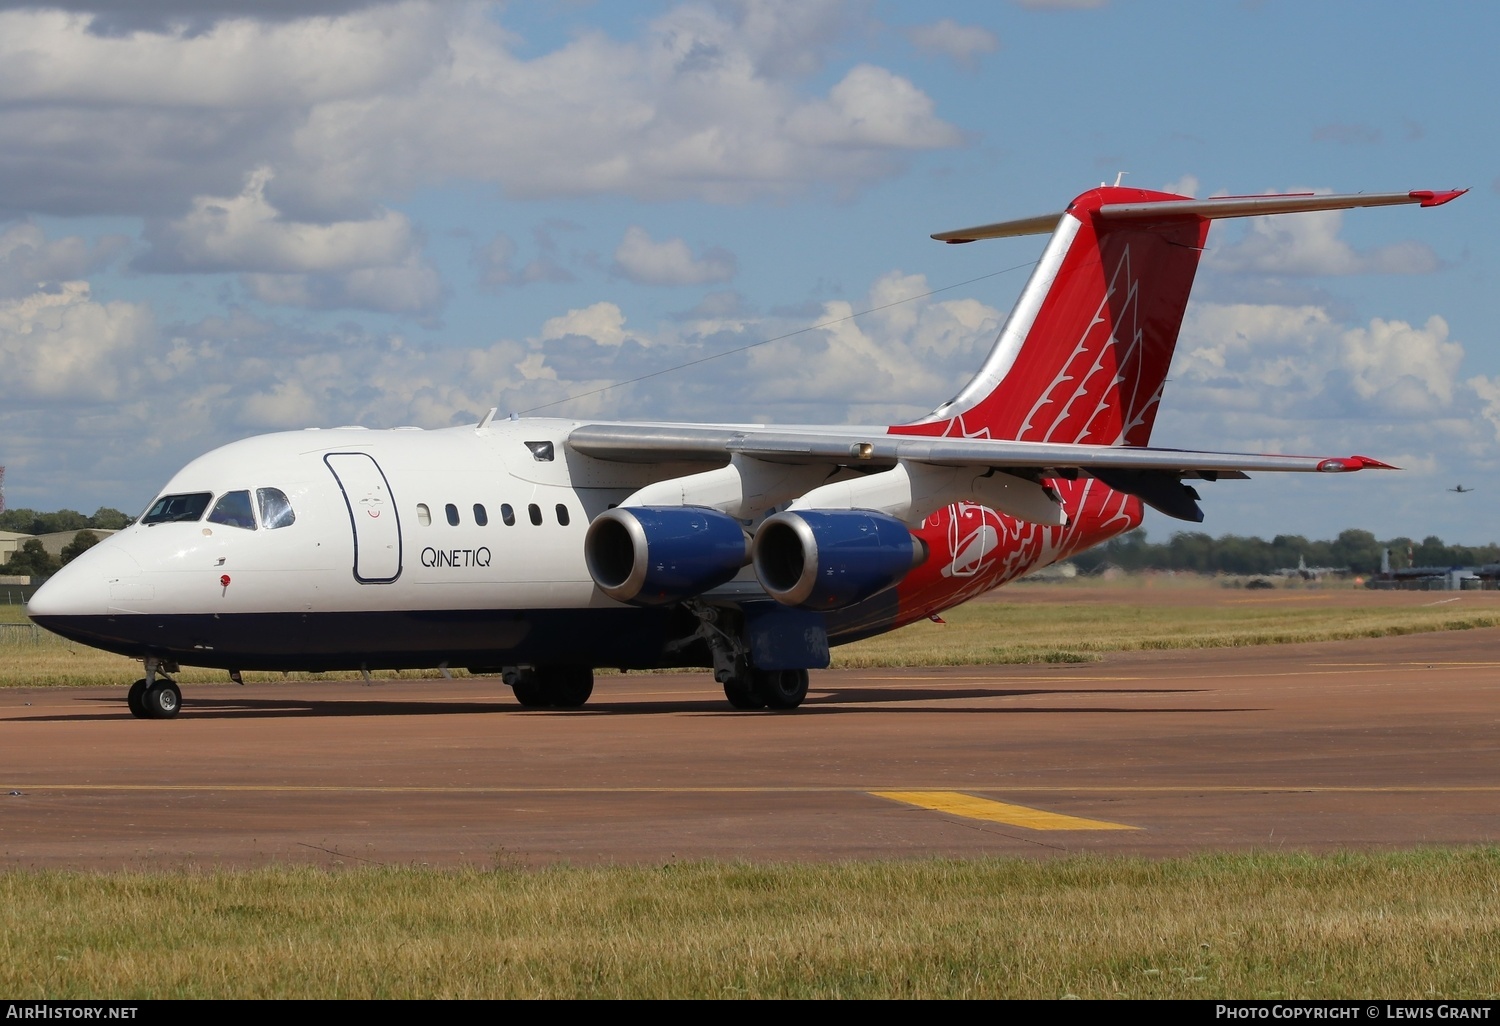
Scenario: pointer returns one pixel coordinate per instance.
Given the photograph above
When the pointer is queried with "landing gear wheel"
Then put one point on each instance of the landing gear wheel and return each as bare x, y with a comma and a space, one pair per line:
568, 686
742, 693
782, 689
162, 700
530, 691
135, 698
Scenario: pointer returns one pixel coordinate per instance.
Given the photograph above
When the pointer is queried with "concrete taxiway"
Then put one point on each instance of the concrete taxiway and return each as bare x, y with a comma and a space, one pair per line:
1370, 744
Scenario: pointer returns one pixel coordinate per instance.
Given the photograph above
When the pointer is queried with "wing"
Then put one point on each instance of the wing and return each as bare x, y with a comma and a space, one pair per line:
1153, 475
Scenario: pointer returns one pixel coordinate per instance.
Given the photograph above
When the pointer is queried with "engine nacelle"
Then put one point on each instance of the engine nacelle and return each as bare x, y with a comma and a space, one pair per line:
828, 559
655, 555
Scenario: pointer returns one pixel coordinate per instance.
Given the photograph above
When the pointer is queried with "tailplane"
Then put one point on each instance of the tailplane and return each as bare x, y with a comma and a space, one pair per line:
1084, 354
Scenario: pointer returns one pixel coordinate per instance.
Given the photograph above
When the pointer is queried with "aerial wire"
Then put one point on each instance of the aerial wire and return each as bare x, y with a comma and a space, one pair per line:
767, 341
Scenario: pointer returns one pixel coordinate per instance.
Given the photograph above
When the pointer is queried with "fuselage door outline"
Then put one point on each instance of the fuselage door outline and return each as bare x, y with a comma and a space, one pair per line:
372, 516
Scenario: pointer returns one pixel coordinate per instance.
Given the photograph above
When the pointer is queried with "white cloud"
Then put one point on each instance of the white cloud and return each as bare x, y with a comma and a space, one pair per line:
602, 322
894, 363
372, 264
645, 261
1290, 244
871, 107
707, 102
246, 233
62, 345
1409, 371
29, 260
1295, 379
51, 56
963, 43
1187, 185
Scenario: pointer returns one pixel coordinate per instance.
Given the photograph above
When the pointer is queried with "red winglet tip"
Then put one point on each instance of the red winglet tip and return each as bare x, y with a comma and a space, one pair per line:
1348, 464
1431, 198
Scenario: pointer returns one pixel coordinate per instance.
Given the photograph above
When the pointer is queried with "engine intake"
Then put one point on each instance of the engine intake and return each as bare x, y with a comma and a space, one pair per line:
656, 555
828, 559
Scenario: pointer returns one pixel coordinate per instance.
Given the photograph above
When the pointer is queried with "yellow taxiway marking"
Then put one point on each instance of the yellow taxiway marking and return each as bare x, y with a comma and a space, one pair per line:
956, 803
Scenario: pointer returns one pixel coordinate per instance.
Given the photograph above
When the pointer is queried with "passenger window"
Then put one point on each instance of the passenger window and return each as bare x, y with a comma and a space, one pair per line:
275, 508
536, 513
480, 516
452, 512
541, 451
233, 510
562, 514
169, 508
507, 514
424, 515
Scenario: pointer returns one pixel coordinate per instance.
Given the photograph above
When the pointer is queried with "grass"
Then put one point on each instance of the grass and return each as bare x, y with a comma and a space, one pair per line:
1072, 625
1397, 925
989, 632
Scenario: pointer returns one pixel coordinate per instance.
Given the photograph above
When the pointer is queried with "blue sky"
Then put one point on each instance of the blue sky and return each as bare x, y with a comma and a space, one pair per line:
229, 218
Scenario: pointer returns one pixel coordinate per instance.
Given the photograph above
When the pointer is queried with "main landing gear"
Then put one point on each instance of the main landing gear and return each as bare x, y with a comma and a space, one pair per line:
749, 688
560, 687
153, 697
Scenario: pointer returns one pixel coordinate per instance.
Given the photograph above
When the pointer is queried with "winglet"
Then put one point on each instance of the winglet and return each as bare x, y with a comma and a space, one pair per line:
1429, 198
1346, 464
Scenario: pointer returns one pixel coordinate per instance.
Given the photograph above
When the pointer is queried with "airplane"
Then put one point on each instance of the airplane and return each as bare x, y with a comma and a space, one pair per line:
1460, 489
1309, 573
542, 549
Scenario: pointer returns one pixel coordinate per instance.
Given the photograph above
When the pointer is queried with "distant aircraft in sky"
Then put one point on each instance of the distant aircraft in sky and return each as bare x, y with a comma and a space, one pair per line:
543, 549
1460, 488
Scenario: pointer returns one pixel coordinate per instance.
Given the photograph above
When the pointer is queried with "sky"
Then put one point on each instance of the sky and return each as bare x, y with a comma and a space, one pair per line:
219, 219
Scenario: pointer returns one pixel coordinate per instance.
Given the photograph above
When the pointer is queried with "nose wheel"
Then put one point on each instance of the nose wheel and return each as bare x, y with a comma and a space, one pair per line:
153, 697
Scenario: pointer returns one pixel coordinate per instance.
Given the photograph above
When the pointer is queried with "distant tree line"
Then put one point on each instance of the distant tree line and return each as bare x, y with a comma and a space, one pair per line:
32, 559
1359, 551
29, 521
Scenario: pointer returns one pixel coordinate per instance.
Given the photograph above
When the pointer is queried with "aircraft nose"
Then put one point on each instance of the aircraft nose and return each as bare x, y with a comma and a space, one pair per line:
82, 588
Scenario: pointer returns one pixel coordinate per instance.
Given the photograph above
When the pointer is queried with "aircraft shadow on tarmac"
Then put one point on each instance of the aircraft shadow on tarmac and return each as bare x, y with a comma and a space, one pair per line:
843, 701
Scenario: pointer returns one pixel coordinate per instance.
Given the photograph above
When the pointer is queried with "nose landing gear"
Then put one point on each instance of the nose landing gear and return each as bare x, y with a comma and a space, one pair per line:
153, 697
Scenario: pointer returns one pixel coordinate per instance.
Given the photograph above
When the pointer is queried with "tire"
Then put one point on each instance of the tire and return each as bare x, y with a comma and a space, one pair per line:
568, 686
162, 700
742, 693
783, 689
135, 699
529, 690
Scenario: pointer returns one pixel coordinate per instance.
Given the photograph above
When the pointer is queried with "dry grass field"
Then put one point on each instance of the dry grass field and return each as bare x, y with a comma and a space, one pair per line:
1405, 925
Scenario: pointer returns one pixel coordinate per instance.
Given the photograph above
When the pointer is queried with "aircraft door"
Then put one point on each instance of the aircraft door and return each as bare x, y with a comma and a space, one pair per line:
372, 513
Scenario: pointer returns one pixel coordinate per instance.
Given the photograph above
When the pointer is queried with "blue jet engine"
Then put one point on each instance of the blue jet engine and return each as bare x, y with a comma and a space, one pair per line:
657, 555
828, 559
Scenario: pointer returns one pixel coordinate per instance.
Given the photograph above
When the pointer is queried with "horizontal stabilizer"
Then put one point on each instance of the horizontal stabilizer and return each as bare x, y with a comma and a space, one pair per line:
1214, 207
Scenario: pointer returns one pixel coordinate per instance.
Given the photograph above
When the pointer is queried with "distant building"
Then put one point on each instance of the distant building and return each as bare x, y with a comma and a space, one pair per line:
10, 541
55, 542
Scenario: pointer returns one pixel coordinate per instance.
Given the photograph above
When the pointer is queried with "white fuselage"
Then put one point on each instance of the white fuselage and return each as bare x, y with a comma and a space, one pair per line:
468, 528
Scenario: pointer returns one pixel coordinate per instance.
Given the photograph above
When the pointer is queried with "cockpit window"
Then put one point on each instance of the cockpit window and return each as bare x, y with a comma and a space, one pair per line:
275, 508
233, 510
169, 508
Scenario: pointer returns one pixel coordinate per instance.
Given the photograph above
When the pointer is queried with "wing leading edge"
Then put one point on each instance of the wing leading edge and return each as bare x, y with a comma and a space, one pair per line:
1153, 475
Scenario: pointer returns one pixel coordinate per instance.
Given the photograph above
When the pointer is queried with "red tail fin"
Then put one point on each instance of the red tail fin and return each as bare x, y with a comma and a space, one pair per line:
1083, 355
